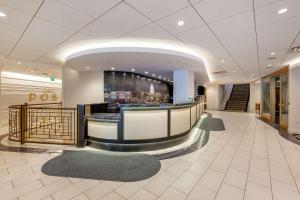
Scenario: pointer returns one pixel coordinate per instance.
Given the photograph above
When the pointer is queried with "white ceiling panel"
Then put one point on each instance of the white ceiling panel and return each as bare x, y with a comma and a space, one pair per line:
259, 3
156, 9
268, 14
188, 15
124, 18
14, 17
152, 31
27, 6
102, 30
214, 10
197, 34
279, 27
92, 8
63, 15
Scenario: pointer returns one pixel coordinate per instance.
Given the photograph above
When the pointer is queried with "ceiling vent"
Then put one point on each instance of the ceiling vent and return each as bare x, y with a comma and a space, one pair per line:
295, 49
220, 72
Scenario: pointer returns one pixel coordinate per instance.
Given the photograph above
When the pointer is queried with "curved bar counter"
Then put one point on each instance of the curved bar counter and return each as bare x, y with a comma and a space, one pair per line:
141, 128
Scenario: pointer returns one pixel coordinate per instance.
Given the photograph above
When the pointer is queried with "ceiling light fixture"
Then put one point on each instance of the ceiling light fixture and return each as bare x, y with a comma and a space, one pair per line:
146, 72
159, 76
2, 14
272, 53
133, 70
180, 23
19, 63
281, 11
165, 78
222, 61
153, 74
233, 71
88, 67
269, 65
112, 68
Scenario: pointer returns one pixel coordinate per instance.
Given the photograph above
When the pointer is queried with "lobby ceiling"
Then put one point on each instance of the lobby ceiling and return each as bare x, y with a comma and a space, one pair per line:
245, 38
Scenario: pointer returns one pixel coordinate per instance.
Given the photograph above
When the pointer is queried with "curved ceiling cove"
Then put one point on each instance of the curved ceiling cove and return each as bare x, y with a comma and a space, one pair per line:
133, 53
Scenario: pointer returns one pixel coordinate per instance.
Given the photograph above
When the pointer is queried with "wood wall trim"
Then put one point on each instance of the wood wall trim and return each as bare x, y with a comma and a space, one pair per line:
283, 70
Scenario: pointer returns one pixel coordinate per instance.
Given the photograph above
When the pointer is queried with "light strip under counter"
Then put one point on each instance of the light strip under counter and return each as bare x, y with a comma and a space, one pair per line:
145, 124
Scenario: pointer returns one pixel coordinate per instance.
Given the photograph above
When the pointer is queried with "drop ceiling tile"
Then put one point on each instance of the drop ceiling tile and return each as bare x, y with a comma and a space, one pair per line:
259, 3
91, 7
10, 30
241, 22
63, 15
214, 10
124, 18
188, 15
99, 29
197, 34
27, 6
284, 26
156, 9
268, 14
14, 17
151, 31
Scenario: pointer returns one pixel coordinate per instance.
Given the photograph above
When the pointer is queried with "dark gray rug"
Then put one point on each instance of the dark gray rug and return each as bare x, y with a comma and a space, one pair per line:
125, 167
212, 124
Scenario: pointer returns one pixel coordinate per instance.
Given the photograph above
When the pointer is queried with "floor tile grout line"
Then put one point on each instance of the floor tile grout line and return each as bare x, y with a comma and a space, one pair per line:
210, 169
284, 154
266, 143
229, 166
252, 140
178, 177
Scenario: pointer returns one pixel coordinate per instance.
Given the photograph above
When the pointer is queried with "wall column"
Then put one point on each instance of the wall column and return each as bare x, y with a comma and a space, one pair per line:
184, 87
82, 87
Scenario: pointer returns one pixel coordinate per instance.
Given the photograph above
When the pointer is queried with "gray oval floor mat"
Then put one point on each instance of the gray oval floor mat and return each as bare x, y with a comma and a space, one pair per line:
125, 167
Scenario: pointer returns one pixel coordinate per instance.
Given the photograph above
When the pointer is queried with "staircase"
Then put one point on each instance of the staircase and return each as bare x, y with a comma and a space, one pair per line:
239, 98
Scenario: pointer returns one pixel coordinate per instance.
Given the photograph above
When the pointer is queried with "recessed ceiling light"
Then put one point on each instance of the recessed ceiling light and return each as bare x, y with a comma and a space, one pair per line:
2, 14
269, 65
233, 71
180, 23
283, 10
153, 74
159, 76
19, 63
133, 70
165, 78
88, 67
222, 61
112, 68
146, 72
272, 53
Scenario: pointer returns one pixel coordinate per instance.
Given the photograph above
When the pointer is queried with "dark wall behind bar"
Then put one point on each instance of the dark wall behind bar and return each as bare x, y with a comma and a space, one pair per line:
128, 87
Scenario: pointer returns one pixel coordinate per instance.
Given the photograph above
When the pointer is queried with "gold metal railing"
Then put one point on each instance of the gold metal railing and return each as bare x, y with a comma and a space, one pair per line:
42, 123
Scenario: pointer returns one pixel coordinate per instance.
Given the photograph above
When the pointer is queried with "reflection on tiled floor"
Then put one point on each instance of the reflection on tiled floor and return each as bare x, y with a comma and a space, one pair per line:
249, 160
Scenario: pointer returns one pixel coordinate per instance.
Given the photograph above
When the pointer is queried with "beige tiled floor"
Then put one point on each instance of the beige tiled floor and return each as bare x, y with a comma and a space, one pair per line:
249, 160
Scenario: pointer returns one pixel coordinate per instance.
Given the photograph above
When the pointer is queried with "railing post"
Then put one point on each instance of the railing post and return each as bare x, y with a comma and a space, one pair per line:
23, 123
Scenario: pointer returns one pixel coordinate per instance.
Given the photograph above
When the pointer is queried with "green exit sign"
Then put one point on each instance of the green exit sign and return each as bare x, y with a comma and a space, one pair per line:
52, 78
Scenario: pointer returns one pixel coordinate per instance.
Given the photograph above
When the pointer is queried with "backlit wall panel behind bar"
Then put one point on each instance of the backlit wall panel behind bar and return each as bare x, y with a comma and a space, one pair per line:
127, 87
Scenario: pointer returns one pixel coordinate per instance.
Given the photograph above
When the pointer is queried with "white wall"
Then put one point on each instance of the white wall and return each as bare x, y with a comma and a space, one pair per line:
294, 98
82, 87
255, 95
17, 88
214, 94
184, 86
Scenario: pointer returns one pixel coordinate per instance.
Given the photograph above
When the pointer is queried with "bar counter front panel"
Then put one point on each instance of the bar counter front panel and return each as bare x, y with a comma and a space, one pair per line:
137, 125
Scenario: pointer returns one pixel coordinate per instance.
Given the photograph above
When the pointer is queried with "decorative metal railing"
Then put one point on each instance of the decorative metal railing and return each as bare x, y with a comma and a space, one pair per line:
42, 123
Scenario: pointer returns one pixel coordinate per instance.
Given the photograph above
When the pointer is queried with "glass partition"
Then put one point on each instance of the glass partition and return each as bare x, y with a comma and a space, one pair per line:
266, 98
284, 94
